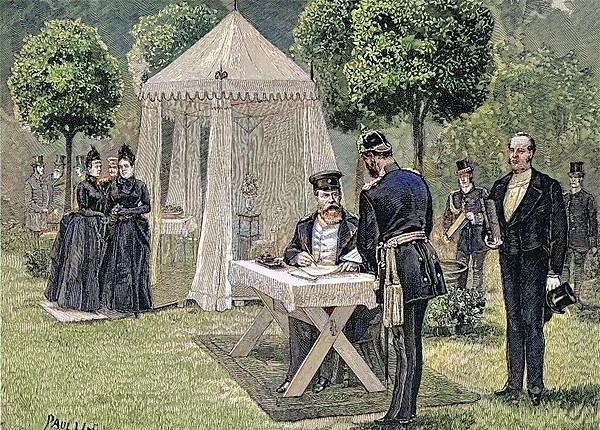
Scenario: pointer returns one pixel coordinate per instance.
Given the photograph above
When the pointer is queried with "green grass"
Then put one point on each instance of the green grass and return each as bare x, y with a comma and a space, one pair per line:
146, 373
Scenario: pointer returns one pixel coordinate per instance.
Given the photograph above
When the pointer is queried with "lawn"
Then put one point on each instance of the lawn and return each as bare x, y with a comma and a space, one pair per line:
146, 373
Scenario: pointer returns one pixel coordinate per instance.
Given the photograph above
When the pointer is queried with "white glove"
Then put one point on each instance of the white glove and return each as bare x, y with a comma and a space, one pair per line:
552, 281
493, 244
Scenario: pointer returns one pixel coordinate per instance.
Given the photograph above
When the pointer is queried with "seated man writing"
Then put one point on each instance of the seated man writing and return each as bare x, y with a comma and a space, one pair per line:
326, 238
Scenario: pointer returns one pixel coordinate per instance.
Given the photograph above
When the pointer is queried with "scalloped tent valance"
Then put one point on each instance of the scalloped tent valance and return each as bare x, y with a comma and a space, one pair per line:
232, 61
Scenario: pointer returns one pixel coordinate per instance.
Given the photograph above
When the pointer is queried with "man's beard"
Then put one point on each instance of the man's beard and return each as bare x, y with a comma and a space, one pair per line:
331, 214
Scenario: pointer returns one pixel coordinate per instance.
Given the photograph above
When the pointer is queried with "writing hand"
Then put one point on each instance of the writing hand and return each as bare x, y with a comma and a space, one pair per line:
304, 259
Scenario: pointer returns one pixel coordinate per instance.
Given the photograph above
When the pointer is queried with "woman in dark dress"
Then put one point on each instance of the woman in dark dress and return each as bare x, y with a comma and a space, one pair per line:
125, 274
77, 251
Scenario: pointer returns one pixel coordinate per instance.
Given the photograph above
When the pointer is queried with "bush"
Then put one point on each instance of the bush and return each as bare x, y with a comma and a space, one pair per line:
458, 308
13, 237
37, 263
592, 266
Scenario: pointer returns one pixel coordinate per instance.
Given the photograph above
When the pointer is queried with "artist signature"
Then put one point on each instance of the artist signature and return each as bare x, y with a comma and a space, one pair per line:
53, 422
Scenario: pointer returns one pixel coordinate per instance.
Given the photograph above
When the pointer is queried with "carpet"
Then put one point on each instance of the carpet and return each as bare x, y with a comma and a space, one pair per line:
73, 316
264, 370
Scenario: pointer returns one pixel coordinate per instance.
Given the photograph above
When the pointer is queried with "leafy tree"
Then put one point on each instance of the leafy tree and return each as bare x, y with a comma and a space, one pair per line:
162, 37
420, 58
323, 39
552, 98
64, 81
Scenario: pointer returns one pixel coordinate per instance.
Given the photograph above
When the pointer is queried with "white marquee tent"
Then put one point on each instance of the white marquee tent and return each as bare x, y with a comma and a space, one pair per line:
240, 107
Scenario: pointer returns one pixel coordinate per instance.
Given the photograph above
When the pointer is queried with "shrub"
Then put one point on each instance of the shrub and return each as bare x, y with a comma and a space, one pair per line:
13, 237
37, 262
459, 307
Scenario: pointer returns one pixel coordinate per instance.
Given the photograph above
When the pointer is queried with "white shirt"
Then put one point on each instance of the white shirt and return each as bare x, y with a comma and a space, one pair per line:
517, 187
325, 242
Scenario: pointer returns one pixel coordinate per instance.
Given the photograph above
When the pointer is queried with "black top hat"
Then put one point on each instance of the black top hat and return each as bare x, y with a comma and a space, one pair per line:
326, 180
463, 166
38, 160
374, 141
80, 161
576, 168
61, 160
560, 297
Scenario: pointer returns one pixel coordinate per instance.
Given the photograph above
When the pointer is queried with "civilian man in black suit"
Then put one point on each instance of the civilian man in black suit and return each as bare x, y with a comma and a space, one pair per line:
533, 225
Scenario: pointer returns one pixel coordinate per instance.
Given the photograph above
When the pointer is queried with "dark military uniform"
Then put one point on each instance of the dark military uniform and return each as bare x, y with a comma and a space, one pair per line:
37, 201
583, 233
470, 244
396, 205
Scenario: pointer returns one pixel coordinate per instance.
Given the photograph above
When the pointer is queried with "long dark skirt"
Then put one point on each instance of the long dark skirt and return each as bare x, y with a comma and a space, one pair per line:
125, 273
76, 258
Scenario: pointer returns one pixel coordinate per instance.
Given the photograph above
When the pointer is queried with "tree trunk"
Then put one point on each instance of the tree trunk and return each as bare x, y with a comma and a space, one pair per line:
68, 171
418, 136
359, 180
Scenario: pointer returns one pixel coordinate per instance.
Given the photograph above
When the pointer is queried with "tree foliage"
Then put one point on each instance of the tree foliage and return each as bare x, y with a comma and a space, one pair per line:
323, 39
404, 57
551, 97
64, 81
162, 37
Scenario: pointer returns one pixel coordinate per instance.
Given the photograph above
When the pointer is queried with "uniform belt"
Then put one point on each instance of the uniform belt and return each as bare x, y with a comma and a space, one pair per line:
403, 238
393, 300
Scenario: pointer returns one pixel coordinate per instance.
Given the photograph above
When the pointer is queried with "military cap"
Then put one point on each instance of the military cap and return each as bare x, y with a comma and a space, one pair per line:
463, 166
326, 180
112, 161
374, 141
38, 160
576, 169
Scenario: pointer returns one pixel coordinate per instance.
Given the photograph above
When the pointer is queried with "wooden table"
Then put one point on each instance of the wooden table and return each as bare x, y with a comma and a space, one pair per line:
285, 295
179, 227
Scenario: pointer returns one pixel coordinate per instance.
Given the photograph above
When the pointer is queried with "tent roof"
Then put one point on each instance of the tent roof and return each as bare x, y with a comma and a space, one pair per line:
254, 68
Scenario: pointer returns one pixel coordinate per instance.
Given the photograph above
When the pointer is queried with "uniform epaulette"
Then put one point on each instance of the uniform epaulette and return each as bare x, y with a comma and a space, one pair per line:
306, 217
370, 185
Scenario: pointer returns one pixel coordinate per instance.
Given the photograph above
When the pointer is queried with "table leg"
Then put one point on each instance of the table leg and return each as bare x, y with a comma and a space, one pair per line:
348, 353
331, 329
276, 311
271, 311
254, 332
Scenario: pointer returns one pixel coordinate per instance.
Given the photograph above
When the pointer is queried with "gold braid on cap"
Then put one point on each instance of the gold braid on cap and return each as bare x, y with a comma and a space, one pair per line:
382, 147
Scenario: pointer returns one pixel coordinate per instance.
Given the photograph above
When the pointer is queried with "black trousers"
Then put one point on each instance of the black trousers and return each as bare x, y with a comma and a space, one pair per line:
408, 344
478, 259
575, 276
524, 289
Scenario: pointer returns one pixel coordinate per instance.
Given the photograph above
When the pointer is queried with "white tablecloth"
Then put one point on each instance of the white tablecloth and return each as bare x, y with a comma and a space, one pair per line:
178, 226
345, 289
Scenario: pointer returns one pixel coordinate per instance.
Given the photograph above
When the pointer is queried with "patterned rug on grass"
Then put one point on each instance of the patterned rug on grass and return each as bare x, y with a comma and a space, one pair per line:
264, 370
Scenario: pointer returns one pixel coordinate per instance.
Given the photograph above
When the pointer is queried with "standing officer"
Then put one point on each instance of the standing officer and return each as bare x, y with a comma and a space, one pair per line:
468, 201
533, 226
37, 198
583, 226
396, 218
